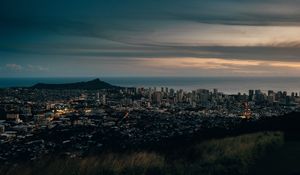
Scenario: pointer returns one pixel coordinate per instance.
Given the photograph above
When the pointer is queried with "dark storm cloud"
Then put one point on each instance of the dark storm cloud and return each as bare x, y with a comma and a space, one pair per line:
122, 29
102, 48
243, 12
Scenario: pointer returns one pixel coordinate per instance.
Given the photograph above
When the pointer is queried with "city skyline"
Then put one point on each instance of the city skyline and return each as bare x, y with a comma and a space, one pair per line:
149, 38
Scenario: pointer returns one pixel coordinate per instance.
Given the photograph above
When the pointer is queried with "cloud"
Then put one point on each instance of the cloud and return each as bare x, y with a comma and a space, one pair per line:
14, 67
27, 68
248, 13
221, 67
273, 51
123, 34
36, 68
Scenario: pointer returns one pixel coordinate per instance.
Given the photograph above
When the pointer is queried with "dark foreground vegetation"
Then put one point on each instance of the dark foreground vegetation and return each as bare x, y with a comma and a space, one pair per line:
232, 155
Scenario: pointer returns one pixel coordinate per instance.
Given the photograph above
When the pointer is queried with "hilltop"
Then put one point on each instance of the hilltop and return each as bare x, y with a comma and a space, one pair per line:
89, 85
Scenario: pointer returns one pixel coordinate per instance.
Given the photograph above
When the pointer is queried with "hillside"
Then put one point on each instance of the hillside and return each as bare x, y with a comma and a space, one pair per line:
89, 85
232, 155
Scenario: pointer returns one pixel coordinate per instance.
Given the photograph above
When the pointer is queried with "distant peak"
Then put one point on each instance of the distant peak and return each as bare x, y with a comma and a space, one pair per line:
96, 80
93, 84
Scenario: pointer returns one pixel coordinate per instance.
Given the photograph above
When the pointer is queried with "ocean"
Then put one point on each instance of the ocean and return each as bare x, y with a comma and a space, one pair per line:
229, 85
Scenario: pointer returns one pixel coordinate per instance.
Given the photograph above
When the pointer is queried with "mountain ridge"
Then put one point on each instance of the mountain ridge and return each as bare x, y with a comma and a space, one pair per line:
94, 84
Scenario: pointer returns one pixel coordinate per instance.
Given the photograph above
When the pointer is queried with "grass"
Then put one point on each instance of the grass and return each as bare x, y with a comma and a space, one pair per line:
233, 155
284, 161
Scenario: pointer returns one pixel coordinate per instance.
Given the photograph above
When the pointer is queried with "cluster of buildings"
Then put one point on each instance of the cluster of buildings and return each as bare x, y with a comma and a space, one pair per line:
36, 122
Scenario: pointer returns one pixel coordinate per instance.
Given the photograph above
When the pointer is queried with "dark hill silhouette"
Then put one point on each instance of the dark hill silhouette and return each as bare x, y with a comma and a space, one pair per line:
89, 85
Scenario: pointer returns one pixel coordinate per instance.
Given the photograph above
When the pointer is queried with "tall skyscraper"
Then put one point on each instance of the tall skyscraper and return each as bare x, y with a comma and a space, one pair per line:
103, 99
215, 91
157, 97
97, 97
251, 95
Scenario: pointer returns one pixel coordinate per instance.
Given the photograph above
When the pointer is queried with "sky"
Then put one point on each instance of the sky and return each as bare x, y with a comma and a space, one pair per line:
78, 38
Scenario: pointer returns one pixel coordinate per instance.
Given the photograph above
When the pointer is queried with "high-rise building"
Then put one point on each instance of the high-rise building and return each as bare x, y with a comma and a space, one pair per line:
203, 95
259, 96
215, 91
251, 95
157, 97
284, 93
172, 92
270, 92
103, 99
293, 94
257, 92
271, 96
179, 96
98, 97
